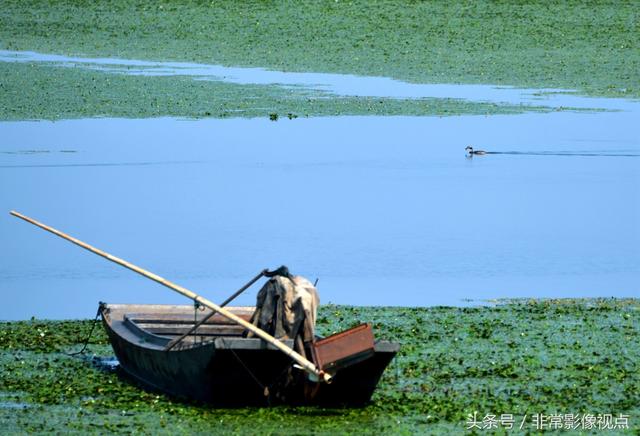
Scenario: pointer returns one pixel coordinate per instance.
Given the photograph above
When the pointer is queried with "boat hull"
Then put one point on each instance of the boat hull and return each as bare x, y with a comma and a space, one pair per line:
229, 370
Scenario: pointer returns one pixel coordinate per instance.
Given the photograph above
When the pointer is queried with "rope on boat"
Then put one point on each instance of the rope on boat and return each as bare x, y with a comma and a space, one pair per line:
266, 389
86, 341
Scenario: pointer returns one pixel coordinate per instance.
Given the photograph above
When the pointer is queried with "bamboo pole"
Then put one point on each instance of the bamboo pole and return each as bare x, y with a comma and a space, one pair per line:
301, 360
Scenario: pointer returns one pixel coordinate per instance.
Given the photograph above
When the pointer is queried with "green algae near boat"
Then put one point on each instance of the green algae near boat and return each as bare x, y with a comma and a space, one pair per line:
452, 361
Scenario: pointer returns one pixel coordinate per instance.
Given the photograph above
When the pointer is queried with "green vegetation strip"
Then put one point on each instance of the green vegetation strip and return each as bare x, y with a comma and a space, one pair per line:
37, 91
522, 357
590, 46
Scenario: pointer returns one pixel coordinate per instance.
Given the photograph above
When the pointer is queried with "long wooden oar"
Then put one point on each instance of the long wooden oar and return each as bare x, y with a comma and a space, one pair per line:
301, 360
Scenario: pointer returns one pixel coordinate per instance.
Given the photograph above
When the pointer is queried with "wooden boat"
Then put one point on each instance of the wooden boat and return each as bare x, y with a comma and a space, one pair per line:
216, 364
211, 360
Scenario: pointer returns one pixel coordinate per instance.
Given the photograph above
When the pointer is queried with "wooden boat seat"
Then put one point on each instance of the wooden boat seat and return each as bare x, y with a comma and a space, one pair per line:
183, 318
155, 331
177, 325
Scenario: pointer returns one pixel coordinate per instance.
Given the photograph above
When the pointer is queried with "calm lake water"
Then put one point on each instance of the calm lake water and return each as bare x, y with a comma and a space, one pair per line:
383, 210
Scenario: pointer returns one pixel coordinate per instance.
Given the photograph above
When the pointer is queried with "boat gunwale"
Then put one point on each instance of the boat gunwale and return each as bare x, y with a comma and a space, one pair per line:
158, 342
122, 324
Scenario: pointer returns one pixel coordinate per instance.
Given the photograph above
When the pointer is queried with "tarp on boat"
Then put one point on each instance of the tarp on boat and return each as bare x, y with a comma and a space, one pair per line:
286, 307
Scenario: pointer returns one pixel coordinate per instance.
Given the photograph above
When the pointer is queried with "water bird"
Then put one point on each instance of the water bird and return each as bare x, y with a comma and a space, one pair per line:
469, 149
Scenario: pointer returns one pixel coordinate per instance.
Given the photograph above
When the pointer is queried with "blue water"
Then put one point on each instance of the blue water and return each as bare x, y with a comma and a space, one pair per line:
383, 210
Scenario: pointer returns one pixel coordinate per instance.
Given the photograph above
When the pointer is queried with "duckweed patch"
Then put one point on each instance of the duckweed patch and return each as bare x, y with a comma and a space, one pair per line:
525, 356
36, 91
590, 46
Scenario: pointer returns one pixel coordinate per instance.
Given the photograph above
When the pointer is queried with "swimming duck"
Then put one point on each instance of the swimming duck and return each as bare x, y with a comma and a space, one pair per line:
469, 149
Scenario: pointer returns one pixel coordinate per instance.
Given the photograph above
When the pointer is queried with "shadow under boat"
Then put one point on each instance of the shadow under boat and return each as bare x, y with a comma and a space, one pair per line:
216, 364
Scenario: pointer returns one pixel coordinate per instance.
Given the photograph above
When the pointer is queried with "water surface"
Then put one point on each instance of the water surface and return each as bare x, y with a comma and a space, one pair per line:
383, 210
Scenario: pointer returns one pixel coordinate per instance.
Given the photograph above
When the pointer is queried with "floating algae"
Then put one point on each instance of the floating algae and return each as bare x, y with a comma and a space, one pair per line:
527, 356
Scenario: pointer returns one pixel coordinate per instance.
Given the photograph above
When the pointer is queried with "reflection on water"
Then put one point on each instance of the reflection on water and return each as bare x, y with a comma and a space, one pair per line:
384, 210
97, 164
595, 153
340, 84
36, 151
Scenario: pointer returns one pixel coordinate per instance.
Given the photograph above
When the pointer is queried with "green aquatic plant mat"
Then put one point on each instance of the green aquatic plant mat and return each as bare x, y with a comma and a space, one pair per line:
589, 46
517, 358
44, 92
